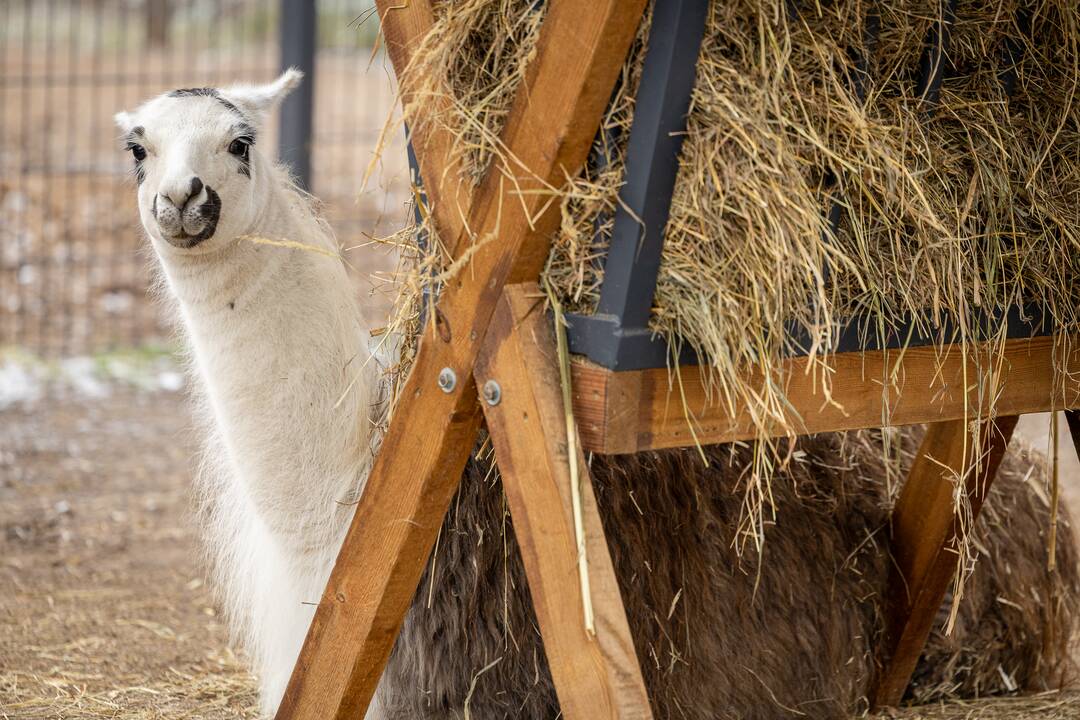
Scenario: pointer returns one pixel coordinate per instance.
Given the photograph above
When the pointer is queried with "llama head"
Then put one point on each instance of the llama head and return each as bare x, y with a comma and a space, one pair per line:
202, 180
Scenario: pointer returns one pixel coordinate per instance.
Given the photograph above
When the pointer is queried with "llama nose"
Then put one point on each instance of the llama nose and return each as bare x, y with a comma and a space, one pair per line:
180, 195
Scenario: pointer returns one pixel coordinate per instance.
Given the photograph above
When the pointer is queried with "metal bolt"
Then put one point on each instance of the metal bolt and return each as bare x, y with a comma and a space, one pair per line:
447, 380
492, 392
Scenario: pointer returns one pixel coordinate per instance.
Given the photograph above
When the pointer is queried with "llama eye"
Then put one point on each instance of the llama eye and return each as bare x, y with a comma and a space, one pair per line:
138, 151
239, 147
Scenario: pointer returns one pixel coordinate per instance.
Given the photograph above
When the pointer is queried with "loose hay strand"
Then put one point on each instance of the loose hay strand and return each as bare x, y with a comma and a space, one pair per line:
572, 457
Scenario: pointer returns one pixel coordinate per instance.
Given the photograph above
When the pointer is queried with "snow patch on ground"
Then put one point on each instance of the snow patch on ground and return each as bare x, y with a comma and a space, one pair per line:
25, 379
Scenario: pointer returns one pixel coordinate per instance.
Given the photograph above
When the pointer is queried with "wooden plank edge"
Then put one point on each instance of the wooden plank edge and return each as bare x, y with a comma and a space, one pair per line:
605, 402
596, 675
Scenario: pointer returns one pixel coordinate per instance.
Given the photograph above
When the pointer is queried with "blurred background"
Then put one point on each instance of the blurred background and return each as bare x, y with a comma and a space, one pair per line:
73, 274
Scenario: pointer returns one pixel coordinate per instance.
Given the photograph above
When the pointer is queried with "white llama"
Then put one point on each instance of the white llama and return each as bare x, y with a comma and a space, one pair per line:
280, 351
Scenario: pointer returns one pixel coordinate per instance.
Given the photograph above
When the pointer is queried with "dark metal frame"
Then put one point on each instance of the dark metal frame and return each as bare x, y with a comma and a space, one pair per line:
617, 336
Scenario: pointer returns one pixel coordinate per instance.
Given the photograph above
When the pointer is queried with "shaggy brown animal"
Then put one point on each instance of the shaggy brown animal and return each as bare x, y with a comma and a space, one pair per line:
795, 632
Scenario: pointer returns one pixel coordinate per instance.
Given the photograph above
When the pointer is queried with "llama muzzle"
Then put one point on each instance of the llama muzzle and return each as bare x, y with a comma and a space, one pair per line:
190, 220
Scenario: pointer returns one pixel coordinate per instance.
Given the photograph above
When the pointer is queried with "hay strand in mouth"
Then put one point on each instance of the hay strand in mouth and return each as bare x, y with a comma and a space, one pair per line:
290, 244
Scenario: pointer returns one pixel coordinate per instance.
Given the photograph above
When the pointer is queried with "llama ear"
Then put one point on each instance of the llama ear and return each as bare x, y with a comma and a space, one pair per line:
259, 100
125, 121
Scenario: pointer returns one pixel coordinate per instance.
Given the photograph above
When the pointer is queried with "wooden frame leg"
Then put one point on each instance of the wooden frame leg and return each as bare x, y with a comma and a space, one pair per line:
547, 135
925, 533
597, 676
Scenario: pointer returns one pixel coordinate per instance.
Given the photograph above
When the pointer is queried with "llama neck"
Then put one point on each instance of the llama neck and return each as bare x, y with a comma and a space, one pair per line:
279, 345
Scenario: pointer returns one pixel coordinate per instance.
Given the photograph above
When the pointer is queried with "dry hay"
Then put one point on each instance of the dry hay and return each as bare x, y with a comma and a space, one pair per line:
225, 691
959, 207
1046, 706
966, 204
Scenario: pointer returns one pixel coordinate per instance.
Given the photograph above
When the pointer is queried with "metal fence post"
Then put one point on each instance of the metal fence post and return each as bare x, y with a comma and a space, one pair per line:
297, 37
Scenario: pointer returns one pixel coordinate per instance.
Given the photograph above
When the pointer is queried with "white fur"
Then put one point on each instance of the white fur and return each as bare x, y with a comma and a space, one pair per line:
288, 389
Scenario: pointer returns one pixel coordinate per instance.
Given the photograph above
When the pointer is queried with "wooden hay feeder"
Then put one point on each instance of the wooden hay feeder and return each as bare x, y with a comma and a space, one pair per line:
494, 357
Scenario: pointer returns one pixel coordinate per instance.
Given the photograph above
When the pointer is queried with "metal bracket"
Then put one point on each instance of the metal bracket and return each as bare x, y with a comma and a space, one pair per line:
298, 50
617, 336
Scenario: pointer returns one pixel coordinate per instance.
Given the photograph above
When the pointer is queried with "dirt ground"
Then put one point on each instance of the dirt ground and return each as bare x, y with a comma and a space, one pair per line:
104, 611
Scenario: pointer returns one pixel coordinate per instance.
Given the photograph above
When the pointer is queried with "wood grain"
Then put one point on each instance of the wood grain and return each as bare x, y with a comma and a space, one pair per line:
621, 412
926, 535
597, 677
404, 26
548, 133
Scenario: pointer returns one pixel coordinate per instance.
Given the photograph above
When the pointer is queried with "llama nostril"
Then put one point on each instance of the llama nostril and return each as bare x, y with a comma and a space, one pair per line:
179, 198
176, 198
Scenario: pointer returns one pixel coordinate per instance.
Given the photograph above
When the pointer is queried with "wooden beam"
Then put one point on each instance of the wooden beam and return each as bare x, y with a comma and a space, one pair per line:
926, 535
404, 25
547, 136
622, 412
597, 676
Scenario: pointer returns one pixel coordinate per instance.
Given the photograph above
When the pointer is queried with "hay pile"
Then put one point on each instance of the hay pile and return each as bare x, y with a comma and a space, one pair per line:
1047, 706
951, 206
817, 182
226, 692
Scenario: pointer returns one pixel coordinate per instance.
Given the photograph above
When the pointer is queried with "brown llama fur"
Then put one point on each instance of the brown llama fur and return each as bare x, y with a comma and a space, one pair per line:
796, 632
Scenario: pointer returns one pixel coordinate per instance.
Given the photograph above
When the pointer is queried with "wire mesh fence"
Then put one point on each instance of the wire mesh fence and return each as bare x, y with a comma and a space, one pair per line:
74, 268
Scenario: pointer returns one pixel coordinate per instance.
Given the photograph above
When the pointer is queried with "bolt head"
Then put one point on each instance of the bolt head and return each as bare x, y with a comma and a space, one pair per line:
492, 393
447, 380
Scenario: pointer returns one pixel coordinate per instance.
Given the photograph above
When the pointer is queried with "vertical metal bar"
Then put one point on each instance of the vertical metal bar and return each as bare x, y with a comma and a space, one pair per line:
62, 324
97, 177
652, 161
297, 33
135, 43
43, 257
7, 83
617, 336
22, 260
124, 82
418, 218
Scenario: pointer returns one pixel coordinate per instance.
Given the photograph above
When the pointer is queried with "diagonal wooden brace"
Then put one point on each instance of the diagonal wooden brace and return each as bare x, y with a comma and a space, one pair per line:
925, 531
546, 140
597, 675
404, 26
